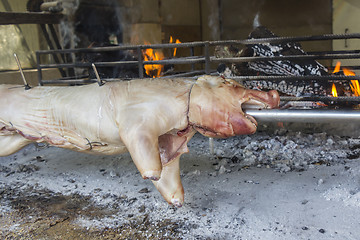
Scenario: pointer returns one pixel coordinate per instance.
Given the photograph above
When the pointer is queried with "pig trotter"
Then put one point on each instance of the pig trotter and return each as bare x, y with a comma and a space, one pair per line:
169, 184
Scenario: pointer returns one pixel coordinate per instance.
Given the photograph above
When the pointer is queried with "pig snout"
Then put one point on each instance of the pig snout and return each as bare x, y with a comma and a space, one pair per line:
274, 99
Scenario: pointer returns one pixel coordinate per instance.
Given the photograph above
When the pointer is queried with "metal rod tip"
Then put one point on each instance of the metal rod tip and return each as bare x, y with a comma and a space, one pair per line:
100, 82
26, 85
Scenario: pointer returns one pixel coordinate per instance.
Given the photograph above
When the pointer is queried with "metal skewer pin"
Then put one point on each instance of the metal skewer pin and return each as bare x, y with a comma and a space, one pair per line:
211, 146
27, 87
99, 81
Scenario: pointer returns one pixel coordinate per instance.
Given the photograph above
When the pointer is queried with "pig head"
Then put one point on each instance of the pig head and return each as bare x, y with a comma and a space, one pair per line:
216, 107
151, 119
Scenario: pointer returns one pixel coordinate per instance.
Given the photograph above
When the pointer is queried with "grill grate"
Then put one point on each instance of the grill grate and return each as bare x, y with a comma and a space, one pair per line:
206, 63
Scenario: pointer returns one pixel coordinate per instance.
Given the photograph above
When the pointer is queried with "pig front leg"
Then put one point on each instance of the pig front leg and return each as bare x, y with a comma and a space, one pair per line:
143, 147
140, 128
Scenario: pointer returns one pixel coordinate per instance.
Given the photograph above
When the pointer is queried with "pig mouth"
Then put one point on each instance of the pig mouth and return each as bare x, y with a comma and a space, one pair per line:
253, 104
251, 119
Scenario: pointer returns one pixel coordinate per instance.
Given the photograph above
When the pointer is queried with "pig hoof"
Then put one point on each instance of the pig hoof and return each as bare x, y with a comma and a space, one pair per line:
176, 202
153, 178
152, 175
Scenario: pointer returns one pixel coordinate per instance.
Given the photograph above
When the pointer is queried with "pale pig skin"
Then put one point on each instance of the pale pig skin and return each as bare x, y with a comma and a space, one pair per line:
151, 119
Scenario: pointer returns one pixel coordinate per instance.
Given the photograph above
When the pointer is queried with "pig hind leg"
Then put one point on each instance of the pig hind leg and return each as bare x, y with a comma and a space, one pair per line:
10, 144
169, 184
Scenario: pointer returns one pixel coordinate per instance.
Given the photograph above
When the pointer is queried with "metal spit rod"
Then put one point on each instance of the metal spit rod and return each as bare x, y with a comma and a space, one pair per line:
300, 115
304, 115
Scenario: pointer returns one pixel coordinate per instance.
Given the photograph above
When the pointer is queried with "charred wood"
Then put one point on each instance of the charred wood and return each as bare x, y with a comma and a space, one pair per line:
297, 67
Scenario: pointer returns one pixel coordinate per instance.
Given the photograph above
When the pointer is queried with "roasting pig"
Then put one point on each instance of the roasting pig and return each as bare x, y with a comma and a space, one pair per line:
151, 119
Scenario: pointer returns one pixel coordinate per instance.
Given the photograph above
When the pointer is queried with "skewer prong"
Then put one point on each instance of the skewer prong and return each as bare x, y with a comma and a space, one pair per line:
100, 82
27, 87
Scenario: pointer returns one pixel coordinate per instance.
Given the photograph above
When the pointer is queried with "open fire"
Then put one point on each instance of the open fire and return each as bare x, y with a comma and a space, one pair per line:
153, 70
354, 84
149, 54
172, 41
334, 91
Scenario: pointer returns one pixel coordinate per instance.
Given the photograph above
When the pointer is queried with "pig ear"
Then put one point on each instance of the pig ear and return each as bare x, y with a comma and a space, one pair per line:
214, 81
233, 83
210, 81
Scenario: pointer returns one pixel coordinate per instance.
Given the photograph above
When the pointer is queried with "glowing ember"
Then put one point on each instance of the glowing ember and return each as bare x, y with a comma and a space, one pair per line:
153, 70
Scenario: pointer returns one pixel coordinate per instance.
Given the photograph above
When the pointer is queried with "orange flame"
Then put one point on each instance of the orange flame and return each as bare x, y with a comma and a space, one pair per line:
149, 54
153, 70
355, 87
354, 84
333, 88
337, 67
334, 91
176, 41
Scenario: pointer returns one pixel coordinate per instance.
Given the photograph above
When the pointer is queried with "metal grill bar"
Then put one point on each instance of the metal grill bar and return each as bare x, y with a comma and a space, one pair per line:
295, 78
203, 43
197, 59
211, 43
83, 65
289, 39
282, 58
337, 52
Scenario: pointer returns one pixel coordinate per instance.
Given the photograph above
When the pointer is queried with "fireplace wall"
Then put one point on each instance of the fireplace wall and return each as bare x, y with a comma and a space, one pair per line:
200, 20
231, 19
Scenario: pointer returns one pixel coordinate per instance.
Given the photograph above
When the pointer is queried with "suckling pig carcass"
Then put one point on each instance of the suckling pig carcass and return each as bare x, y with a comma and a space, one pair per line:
152, 119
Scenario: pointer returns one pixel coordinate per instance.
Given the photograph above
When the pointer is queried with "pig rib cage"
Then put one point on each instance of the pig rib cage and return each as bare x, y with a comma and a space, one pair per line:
207, 61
